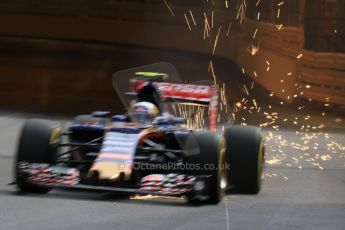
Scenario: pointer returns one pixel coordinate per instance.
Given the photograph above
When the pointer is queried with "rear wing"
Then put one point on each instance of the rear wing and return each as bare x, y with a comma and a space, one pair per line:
172, 91
200, 94
186, 93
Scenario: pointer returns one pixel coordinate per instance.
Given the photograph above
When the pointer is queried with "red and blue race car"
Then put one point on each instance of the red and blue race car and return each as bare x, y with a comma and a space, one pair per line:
147, 150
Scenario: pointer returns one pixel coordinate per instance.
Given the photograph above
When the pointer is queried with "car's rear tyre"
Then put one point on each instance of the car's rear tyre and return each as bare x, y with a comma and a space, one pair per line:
245, 151
37, 144
211, 160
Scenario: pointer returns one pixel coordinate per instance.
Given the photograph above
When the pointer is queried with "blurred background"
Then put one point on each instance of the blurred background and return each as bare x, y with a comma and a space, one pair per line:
59, 55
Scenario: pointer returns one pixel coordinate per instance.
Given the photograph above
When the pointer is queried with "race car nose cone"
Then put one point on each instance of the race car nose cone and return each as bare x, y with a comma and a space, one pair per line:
108, 171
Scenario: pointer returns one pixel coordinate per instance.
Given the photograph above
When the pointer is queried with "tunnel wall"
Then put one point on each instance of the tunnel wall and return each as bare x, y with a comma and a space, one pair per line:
233, 48
75, 77
151, 25
49, 88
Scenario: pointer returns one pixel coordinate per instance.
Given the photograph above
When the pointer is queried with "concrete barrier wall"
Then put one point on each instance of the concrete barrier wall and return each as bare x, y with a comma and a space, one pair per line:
58, 90
322, 77
157, 35
73, 77
274, 65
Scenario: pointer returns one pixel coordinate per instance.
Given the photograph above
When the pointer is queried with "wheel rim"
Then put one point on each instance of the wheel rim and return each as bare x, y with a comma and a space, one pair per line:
223, 182
222, 173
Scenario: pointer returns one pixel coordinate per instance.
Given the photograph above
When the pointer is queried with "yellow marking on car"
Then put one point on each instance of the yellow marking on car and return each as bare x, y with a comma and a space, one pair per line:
54, 137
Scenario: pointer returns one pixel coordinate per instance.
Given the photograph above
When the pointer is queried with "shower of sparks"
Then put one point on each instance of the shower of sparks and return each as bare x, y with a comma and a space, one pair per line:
337, 120
194, 114
241, 13
308, 149
191, 14
207, 27
229, 28
216, 40
308, 141
252, 49
172, 13
278, 13
252, 85
185, 16
153, 197
256, 30
246, 90
299, 56
212, 72
258, 16
279, 27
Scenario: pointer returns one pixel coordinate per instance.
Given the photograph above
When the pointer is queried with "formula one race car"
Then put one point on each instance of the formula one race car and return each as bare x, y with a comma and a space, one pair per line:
147, 150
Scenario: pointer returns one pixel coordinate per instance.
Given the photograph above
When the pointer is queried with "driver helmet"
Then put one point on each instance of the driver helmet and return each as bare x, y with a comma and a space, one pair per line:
144, 112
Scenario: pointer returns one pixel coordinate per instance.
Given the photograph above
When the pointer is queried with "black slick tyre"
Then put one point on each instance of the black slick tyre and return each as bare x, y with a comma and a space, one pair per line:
245, 150
37, 144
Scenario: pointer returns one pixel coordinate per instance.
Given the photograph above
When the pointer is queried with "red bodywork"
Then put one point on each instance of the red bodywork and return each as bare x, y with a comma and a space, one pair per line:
203, 94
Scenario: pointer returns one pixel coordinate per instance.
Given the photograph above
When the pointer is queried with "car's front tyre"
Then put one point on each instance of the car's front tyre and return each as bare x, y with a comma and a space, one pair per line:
37, 144
211, 161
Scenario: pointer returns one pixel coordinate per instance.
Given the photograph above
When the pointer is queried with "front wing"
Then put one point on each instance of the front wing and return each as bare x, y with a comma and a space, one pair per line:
61, 177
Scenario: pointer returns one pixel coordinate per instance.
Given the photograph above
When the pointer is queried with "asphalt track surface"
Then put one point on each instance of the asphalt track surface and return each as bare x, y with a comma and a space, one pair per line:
295, 195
